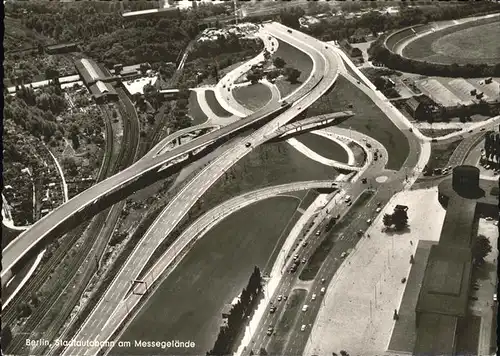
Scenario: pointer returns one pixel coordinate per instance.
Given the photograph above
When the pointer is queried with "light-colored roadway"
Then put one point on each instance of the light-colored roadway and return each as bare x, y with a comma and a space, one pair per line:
97, 326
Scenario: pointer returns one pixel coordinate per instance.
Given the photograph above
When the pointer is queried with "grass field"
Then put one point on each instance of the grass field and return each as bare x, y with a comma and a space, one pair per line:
468, 43
292, 312
296, 59
215, 105
194, 109
308, 199
209, 277
324, 147
437, 133
441, 153
253, 97
368, 119
322, 251
188, 305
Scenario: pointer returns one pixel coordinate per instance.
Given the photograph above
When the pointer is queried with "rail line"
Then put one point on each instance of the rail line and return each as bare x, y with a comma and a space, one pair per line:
125, 157
95, 251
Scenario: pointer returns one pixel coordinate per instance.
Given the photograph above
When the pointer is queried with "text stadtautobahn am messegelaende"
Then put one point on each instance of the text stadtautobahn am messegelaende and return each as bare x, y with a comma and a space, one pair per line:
177, 344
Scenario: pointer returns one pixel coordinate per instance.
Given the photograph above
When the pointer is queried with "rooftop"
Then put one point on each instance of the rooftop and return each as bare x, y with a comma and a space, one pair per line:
136, 86
459, 222
445, 288
436, 335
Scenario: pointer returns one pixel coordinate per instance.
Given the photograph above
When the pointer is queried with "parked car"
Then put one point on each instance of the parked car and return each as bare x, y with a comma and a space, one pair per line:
270, 330
303, 327
305, 307
272, 310
280, 297
313, 297
343, 255
378, 210
248, 144
322, 280
323, 290
318, 233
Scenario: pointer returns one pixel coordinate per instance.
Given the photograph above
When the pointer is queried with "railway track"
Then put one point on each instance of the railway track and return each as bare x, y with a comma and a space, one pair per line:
94, 250
35, 283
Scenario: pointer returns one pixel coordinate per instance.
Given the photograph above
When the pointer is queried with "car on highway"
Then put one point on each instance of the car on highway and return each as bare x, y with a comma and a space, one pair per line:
270, 330
364, 180
285, 297
248, 144
375, 157
495, 299
470, 131
304, 244
369, 221
323, 290
293, 269
280, 297
347, 199
272, 310
305, 307
322, 280
378, 210
313, 297
289, 31
349, 203
343, 255
368, 145
318, 233
303, 327
295, 257
304, 260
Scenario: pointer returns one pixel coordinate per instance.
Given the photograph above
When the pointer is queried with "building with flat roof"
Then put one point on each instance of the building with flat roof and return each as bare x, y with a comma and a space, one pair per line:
444, 295
62, 48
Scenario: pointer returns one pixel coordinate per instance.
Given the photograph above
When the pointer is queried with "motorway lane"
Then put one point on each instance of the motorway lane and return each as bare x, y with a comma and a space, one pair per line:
101, 324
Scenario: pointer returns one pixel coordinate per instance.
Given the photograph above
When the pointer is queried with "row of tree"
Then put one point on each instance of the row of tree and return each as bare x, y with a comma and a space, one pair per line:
238, 315
492, 146
378, 52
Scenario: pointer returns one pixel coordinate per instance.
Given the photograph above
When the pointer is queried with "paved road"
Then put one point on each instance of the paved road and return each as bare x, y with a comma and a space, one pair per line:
101, 323
295, 341
32, 237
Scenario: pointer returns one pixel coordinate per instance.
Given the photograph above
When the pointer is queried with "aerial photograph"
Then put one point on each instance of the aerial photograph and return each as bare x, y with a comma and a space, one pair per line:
258, 177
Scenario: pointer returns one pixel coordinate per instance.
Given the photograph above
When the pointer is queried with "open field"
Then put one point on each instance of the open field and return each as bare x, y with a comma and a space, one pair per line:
324, 147
215, 105
266, 165
441, 153
368, 119
253, 97
437, 132
188, 304
296, 59
318, 257
360, 300
473, 43
194, 109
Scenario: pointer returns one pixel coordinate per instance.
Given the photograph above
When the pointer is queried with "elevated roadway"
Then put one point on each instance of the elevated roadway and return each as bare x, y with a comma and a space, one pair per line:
33, 239
112, 307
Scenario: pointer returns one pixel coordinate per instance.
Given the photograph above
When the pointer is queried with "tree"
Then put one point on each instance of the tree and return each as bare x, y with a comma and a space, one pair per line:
480, 249
387, 220
279, 62
400, 219
263, 351
343, 353
292, 75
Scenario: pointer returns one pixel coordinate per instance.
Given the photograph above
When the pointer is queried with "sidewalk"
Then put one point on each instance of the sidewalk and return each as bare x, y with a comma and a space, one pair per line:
360, 301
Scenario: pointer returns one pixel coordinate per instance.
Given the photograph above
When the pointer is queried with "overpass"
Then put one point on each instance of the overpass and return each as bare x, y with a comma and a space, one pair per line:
61, 219
106, 316
33, 239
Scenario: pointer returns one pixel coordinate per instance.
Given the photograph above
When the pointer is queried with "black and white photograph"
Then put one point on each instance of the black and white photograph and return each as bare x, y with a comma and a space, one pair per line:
259, 177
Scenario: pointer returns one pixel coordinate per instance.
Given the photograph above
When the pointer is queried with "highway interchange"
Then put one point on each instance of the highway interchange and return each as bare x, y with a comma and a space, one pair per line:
116, 304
